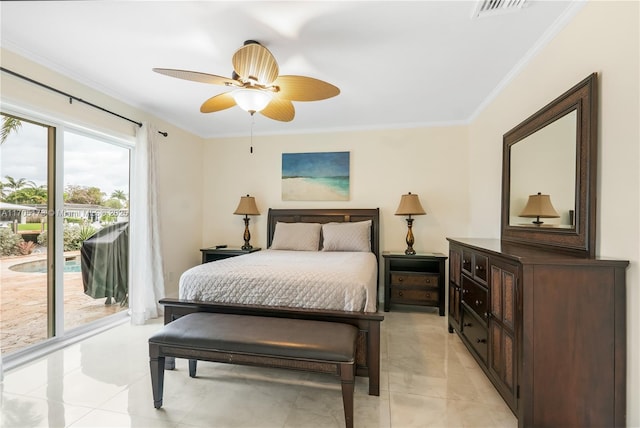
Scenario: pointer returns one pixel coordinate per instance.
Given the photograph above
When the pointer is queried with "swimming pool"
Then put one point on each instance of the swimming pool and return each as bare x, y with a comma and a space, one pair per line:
71, 264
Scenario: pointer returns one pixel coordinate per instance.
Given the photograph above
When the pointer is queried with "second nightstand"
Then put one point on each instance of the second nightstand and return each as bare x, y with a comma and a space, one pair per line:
414, 279
213, 254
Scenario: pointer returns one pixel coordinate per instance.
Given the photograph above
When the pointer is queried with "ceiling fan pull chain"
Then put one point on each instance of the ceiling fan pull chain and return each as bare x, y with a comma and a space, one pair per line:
253, 120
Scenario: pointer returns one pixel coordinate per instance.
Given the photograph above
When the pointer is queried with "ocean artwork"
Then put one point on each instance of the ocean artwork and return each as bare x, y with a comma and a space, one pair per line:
320, 176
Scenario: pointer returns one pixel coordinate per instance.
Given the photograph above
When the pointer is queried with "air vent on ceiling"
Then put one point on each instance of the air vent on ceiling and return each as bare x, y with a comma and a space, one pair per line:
492, 7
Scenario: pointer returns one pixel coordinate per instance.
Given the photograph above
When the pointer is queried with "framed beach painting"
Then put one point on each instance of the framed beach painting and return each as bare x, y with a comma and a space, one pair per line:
320, 176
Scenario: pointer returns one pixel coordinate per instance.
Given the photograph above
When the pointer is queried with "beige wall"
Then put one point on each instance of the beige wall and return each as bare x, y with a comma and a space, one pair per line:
435, 162
455, 170
384, 165
179, 157
602, 38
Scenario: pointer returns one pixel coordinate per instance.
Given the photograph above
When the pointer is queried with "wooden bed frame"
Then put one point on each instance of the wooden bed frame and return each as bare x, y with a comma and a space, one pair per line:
368, 323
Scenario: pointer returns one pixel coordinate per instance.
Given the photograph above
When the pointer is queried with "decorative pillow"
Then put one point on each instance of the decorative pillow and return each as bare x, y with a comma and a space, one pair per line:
296, 236
347, 236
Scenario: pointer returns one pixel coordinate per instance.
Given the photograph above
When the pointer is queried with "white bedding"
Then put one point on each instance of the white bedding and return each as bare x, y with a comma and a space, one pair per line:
344, 281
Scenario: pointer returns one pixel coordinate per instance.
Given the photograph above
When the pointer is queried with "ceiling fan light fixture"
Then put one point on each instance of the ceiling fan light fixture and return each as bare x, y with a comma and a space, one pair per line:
251, 100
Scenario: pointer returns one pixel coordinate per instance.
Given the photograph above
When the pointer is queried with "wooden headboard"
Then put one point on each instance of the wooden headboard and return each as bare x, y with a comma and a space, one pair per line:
326, 216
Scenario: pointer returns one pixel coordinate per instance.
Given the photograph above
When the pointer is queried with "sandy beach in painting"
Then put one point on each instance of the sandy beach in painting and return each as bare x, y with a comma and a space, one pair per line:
302, 189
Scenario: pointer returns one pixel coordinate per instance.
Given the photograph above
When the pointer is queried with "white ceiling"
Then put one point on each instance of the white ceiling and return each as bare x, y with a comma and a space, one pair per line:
398, 64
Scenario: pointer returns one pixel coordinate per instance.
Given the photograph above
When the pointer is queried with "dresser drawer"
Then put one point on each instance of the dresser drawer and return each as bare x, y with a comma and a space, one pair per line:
475, 296
480, 267
414, 295
467, 261
475, 332
414, 279
475, 265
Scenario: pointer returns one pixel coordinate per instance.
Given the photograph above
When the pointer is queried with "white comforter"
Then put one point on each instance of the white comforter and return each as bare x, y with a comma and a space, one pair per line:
344, 281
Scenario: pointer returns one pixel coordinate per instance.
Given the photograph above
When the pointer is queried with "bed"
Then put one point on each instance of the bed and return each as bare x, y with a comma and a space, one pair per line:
361, 312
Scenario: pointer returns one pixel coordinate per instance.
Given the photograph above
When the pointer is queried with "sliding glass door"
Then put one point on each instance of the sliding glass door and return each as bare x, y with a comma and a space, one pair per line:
95, 229
24, 262
63, 230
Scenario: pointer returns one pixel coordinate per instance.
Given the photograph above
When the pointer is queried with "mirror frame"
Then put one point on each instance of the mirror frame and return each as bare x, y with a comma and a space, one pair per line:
581, 239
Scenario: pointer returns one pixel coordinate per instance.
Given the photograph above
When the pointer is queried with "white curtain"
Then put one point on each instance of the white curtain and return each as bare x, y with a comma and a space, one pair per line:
146, 273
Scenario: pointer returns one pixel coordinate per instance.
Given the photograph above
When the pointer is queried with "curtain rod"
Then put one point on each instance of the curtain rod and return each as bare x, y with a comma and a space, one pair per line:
72, 97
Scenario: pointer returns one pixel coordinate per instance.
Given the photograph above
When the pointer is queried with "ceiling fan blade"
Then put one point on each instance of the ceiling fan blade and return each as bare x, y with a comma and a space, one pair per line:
196, 76
279, 109
217, 103
254, 61
302, 88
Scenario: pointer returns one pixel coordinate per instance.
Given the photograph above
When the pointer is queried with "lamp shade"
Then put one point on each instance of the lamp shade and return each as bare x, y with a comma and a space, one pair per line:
539, 206
247, 206
410, 205
251, 100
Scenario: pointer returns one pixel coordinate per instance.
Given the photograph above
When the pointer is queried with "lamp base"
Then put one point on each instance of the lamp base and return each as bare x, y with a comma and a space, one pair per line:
409, 251
247, 235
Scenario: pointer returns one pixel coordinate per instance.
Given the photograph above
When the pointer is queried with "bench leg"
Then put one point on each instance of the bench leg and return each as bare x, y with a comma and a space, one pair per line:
373, 358
193, 364
170, 363
156, 363
348, 385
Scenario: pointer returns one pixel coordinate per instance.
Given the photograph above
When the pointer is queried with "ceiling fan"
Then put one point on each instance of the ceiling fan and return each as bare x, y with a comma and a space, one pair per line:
257, 85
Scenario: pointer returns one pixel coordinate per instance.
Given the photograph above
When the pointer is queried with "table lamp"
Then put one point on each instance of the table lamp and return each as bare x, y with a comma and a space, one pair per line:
247, 207
539, 206
410, 205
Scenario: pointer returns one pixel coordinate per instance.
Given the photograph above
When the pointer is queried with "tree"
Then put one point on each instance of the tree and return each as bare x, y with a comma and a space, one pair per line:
18, 184
119, 194
113, 203
28, 195
83, 195
9, 124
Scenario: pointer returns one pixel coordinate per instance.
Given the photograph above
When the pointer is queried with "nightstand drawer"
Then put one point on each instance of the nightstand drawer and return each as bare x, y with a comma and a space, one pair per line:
417, 295
414, 279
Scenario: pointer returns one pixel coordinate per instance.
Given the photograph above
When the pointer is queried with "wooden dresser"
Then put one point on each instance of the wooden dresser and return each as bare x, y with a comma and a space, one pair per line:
547, 329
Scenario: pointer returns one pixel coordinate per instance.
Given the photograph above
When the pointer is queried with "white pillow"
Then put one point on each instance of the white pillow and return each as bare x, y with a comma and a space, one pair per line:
296, 236
347, 236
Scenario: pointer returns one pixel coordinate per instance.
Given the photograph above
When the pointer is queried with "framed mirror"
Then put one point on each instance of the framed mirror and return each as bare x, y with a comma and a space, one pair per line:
549, 166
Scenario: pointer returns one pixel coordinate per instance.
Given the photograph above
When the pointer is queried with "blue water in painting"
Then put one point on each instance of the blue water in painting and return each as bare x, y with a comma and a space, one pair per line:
338, 184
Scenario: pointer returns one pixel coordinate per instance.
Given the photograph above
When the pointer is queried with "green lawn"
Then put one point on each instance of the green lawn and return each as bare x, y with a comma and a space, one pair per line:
31, 226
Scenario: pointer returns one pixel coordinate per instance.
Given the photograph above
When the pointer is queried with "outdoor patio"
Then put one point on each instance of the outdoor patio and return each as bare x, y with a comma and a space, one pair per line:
23, 303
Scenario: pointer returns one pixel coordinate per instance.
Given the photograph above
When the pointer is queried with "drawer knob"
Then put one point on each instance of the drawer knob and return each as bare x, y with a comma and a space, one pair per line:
481, 340
467, 324
400, 294
479, 267
478, 302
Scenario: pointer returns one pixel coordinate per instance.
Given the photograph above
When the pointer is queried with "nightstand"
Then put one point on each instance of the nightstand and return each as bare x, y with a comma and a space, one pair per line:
414, 279
213, 254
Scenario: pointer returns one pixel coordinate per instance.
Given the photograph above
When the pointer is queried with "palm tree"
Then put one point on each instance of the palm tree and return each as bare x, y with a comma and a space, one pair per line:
119, 194
18, 184
9, 124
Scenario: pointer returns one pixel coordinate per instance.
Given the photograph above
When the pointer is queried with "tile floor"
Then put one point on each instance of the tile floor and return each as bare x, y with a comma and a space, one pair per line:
428, 379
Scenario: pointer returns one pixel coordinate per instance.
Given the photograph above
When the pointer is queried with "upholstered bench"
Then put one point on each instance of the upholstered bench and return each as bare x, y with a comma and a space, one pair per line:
315, 346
